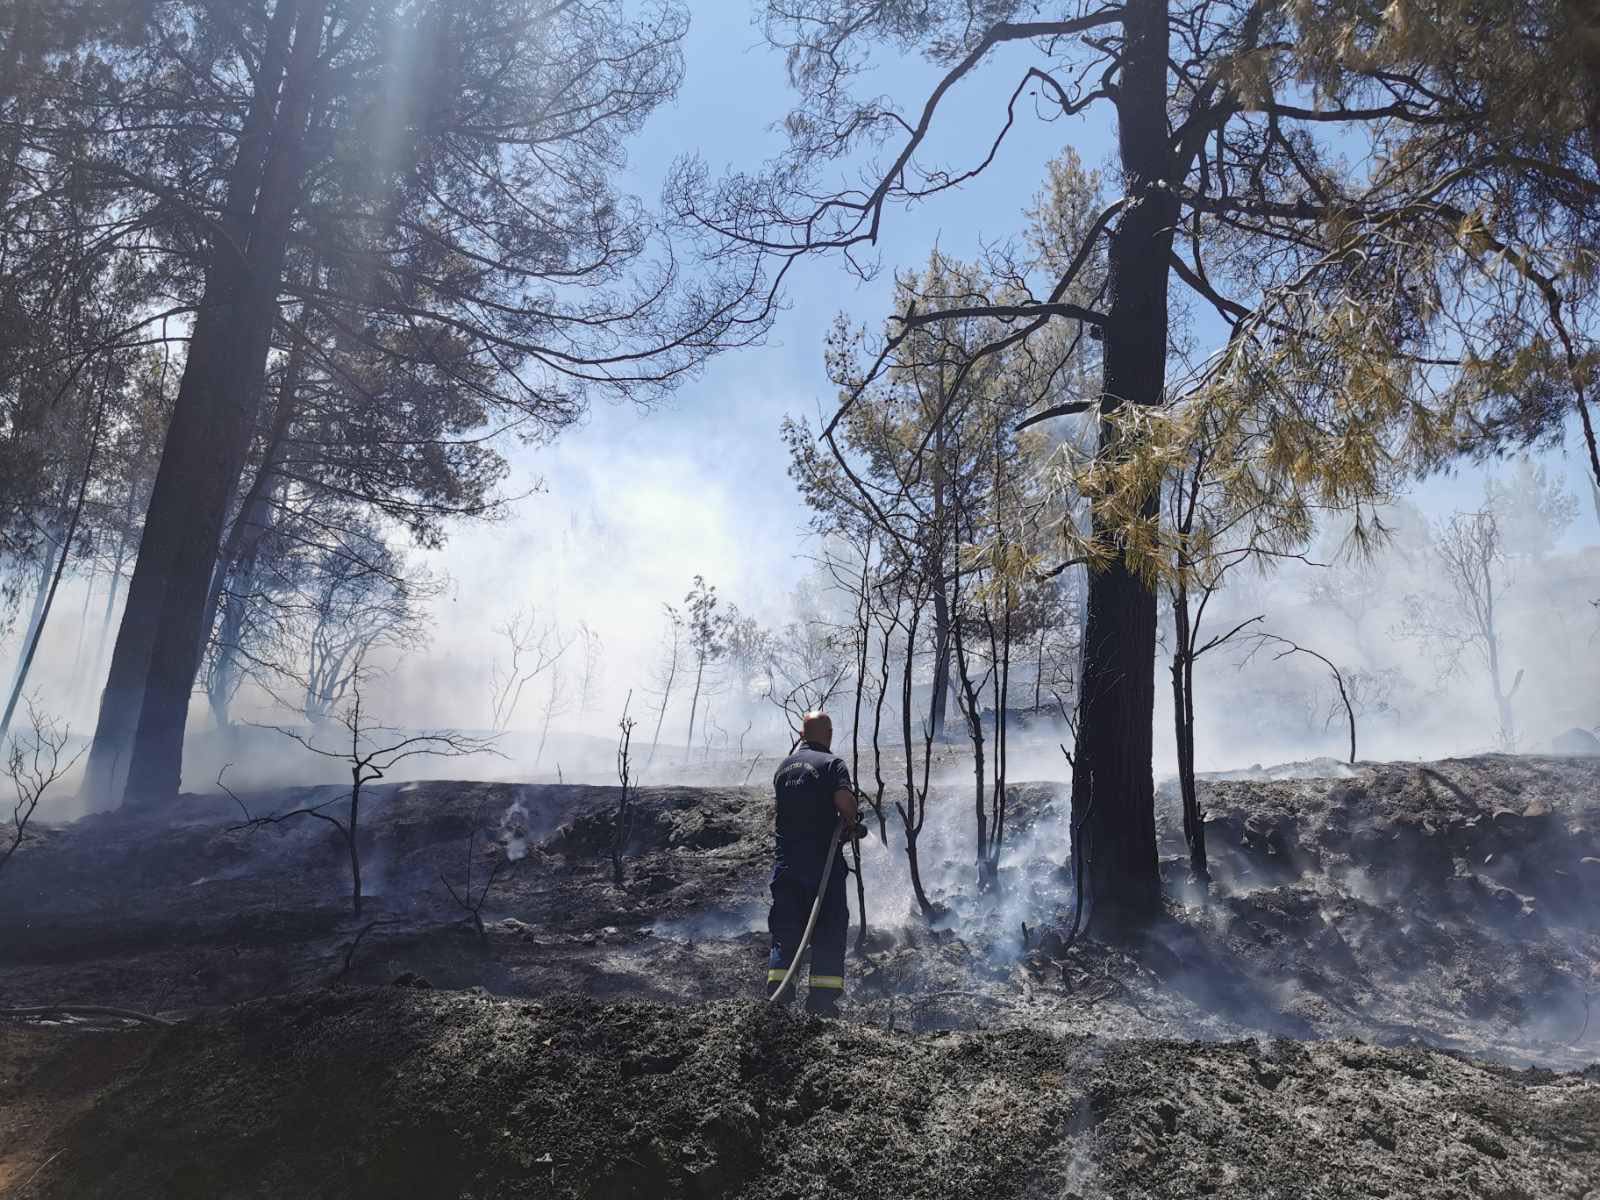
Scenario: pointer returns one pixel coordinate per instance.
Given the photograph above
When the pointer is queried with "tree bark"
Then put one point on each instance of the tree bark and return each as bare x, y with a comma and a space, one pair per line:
1113, 794
138, 747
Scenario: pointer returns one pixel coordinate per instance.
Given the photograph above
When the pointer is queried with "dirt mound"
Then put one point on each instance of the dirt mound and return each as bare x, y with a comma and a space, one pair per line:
395, 1092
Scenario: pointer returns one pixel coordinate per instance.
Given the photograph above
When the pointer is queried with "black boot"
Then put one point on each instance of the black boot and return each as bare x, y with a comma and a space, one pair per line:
823, 1002
788, 996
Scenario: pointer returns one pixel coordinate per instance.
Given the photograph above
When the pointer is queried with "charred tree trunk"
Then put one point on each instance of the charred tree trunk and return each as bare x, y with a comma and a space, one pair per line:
1113, 794
1194, 828
938, 704
138, 746
877, 746
1001, 654
863, 638
972, 710
915, 809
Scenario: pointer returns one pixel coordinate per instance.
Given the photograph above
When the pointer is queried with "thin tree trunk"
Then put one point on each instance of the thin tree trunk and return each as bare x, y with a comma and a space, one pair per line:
111, 596
666, 697
863, 633
1502, 702
938, 708
1113, 793
877, 733
969, 705
61, 561
912, 812
939, 703
1194, 830
694, 702
549, 713
1002, 729
220, 687
35, 615
355, 854
254, 517
83, 626
1038, 674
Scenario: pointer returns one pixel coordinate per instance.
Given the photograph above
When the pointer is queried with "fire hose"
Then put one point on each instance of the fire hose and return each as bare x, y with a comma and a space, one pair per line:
816, 911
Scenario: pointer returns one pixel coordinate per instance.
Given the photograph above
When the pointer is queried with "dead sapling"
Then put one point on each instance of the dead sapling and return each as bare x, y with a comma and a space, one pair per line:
465, 900
34, 762
373, 752
1288, 647
622, 830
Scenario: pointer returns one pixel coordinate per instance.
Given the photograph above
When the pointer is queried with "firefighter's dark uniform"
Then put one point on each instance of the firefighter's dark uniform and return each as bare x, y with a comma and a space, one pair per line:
804, 787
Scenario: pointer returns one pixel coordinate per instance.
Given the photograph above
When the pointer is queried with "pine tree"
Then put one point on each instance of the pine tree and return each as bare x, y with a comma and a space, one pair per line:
1373, 321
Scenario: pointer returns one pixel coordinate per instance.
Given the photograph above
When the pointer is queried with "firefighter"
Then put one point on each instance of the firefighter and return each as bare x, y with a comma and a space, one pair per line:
814, 797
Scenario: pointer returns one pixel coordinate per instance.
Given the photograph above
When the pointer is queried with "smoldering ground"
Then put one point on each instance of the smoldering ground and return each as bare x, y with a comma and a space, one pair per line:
1380, 904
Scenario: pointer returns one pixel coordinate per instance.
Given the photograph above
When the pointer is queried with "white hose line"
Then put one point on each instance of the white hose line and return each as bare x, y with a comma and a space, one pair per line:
816, 910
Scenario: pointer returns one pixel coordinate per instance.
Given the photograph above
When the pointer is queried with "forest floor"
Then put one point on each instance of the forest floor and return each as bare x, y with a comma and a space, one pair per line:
1386, 993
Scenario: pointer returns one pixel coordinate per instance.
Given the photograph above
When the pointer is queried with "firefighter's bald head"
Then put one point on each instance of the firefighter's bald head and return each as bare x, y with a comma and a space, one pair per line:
816, 727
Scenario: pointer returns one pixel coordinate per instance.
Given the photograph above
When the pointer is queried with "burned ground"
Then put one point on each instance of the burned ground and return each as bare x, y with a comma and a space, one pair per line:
1441, 913
402, 1092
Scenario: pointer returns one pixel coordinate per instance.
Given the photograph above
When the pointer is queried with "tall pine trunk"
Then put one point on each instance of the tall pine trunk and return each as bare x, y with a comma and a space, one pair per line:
1113, 793
138, 747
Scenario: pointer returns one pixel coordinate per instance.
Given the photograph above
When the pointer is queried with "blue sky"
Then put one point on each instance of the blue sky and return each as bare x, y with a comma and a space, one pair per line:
634, 504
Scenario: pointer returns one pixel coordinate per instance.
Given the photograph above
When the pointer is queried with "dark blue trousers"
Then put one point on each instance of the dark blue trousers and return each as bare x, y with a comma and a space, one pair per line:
792, 897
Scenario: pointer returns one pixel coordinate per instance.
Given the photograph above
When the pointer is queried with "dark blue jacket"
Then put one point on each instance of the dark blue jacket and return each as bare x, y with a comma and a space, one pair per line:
804, 786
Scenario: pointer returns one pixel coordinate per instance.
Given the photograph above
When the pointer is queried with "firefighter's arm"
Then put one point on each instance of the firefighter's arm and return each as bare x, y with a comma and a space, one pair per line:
845, 801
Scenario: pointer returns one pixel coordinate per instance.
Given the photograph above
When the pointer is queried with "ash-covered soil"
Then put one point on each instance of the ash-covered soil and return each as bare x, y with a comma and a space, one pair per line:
395, 1092
1420, 908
